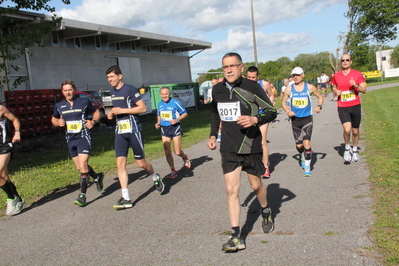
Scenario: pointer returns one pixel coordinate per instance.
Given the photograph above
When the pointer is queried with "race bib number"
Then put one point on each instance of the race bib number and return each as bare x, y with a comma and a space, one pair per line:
229, 111
347, 96
74, 126
166, 115
124, 126
300, 102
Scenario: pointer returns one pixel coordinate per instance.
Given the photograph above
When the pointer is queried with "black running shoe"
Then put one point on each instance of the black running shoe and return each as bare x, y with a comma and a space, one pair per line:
81, 200
99, 181
159, 185
234, 243
267, 223
123, 204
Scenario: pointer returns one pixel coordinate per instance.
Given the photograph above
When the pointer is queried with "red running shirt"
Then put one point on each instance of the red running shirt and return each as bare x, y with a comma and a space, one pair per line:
349, 95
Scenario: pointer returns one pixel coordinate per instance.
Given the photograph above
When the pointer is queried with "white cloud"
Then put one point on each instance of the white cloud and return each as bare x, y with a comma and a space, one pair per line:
227, 24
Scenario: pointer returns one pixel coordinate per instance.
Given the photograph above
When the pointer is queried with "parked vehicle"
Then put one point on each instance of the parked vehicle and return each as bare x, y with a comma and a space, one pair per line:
96, 95
106, 97
95, 103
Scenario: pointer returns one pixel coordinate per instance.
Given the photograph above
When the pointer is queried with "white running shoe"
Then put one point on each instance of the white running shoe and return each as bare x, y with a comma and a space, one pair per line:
355, 156
347, 155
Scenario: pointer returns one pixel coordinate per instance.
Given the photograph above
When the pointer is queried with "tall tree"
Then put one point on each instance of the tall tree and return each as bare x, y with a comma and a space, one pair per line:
395, 57
17, 35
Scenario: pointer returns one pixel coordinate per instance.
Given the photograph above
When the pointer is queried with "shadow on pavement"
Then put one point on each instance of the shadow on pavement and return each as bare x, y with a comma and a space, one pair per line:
275, 197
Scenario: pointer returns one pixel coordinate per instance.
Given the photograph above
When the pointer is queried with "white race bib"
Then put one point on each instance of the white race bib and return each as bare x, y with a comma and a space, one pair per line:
229, 112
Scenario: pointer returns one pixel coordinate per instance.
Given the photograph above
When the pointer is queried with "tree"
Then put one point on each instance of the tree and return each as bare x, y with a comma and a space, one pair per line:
17, 35
395, 57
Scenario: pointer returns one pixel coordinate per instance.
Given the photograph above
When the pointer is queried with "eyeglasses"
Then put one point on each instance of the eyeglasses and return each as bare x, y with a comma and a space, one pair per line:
232, 67
347, 60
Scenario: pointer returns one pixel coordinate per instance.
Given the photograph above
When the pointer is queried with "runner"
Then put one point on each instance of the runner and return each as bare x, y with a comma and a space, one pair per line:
236, 103
169, 114
347, 84
300, 112
127, 105
72, 113
14, 201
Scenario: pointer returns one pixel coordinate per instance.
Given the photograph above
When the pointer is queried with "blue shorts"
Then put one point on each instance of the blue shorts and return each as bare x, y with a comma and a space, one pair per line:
172, 131
79, 146
124, 141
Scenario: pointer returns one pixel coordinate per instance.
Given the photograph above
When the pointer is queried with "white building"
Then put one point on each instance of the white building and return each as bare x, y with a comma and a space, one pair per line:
383, 59
83, 51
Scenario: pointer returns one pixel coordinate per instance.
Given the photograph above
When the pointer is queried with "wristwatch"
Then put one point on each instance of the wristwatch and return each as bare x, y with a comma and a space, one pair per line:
356, 86
320, 106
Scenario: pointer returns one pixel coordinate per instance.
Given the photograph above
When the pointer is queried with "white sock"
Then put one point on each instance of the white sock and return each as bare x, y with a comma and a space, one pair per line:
125, 193
154, 176
347, 147
354, 148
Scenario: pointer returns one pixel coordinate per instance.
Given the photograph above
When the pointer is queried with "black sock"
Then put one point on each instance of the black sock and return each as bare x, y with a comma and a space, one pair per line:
84, 182
235, 231
265, 211
300, 150
14, 189
8, 190
92, 173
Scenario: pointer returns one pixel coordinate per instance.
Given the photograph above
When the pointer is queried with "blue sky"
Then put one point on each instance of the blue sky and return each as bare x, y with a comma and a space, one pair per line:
283, 27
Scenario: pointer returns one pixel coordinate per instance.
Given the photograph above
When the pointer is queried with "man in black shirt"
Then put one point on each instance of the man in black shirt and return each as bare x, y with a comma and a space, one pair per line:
236, 103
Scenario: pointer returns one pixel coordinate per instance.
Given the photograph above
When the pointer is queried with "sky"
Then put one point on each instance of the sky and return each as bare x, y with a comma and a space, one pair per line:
282, 27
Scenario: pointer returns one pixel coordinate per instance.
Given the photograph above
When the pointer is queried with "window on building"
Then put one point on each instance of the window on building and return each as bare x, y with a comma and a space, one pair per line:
78, 43
118, 46
148, 48
161, 49
384, 58
97, 40
54, 38
133, 45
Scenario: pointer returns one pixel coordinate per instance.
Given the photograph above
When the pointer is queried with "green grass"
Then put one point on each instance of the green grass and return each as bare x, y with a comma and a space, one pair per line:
380, 133
38, 171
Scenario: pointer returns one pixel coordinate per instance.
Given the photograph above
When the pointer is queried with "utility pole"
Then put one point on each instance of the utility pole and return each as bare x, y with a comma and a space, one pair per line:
253, 35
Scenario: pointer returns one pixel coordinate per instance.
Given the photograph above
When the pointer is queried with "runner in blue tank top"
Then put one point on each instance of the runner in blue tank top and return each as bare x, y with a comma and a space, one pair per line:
169, 114
300, 111
127, 105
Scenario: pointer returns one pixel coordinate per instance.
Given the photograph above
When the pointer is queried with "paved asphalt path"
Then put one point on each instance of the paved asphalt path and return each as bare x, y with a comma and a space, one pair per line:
319, 220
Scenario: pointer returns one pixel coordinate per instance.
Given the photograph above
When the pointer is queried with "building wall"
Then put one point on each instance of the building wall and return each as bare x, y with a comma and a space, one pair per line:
50, 65
386, 59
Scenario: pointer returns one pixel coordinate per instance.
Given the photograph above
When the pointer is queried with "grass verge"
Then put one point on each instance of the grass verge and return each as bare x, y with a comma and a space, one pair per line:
380, 132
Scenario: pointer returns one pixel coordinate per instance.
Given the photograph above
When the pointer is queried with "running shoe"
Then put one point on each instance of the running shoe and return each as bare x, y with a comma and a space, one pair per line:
267, 223
347, 155
172, 175
159, 185
219, 138
266, 175
307, 171
303, 160
81, 200
123, 204
187, 162
99, 182
234, 243
14, 206
355, 156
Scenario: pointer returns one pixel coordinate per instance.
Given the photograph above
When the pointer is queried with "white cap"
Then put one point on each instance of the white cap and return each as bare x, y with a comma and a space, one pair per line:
297, 71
